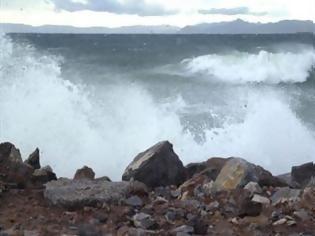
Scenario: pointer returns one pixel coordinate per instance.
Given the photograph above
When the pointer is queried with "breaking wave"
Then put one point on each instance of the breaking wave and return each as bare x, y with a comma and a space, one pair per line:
107, 125
263, 67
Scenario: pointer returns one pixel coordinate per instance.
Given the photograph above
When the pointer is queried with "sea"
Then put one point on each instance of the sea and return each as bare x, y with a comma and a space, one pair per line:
99, 100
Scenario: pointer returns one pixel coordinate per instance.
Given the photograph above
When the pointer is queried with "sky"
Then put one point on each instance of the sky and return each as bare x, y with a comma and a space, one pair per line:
115, 13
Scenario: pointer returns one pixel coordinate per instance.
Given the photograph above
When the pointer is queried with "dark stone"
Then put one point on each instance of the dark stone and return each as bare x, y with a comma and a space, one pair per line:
33, 159
42, 176
12, 169
144, 221
246, 207
157, 166
89, 230
302, 174
84, 173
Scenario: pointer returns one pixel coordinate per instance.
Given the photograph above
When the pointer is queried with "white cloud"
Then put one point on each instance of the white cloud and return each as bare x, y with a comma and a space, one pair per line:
121, 12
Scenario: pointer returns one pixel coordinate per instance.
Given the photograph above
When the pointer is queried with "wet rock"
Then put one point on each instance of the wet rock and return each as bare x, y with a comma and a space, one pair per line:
134, 201
79, 193
13, 170
43, 175
84, 173
303, 173
237, 173
144, 221
33, 159
253, 188
157, 166
285, 194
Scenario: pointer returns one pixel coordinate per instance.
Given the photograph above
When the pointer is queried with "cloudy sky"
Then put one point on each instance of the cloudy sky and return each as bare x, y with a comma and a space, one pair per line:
113, 13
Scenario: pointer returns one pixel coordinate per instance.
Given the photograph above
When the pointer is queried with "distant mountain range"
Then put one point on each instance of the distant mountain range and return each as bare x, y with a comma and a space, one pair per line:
232, 27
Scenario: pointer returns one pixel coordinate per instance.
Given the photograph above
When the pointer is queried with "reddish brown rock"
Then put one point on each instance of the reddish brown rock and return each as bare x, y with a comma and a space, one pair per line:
84, 173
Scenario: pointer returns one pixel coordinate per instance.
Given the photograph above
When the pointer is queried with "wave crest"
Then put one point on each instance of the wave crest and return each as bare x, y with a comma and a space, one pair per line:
264, 67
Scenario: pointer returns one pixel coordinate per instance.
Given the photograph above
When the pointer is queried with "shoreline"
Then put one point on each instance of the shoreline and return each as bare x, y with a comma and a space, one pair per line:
158, 195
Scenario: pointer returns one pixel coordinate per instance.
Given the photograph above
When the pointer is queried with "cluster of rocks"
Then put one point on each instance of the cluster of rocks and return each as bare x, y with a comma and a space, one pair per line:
158, 195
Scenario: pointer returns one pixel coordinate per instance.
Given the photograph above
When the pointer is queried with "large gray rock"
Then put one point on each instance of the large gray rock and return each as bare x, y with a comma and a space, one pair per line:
79, 193
157, 166
237, 172
285, 194
12, 169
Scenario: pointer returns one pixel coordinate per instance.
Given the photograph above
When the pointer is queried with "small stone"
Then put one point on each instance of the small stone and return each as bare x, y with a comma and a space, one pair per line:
175, 193
134, 201
184, 229
253, 188
234, 221
291, 223
144, 221
280, 222
160, 201
261, 199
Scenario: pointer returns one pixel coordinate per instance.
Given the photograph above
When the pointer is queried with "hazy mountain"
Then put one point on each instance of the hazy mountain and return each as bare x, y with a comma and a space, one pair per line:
21, 28
232, 27
243, 27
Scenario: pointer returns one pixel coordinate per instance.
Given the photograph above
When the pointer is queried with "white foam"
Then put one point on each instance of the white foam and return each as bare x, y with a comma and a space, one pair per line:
264, 67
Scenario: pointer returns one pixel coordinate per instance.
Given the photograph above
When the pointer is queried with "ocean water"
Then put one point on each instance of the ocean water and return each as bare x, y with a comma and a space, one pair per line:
98, 100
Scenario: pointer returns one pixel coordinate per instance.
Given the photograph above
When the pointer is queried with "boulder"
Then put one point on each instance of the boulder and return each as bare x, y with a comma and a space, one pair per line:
12, 169
303, 174
157, 166
213, 166
285, 194
237, 173
84, 173
73, 194
33, 159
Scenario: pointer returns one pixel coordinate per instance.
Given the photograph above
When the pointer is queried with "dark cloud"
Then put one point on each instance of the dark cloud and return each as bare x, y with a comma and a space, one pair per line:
137, 7
231, 11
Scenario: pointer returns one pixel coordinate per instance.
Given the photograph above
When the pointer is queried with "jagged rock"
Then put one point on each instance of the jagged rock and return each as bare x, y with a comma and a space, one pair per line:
134, 201
144, 221
79, 193
253, 188
84, 173
33, 159
285, 194
157, 166
12, 169
237, 172
43, 175
302, 174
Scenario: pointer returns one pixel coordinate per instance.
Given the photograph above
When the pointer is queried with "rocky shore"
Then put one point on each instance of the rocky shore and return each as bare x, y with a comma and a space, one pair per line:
158, 195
